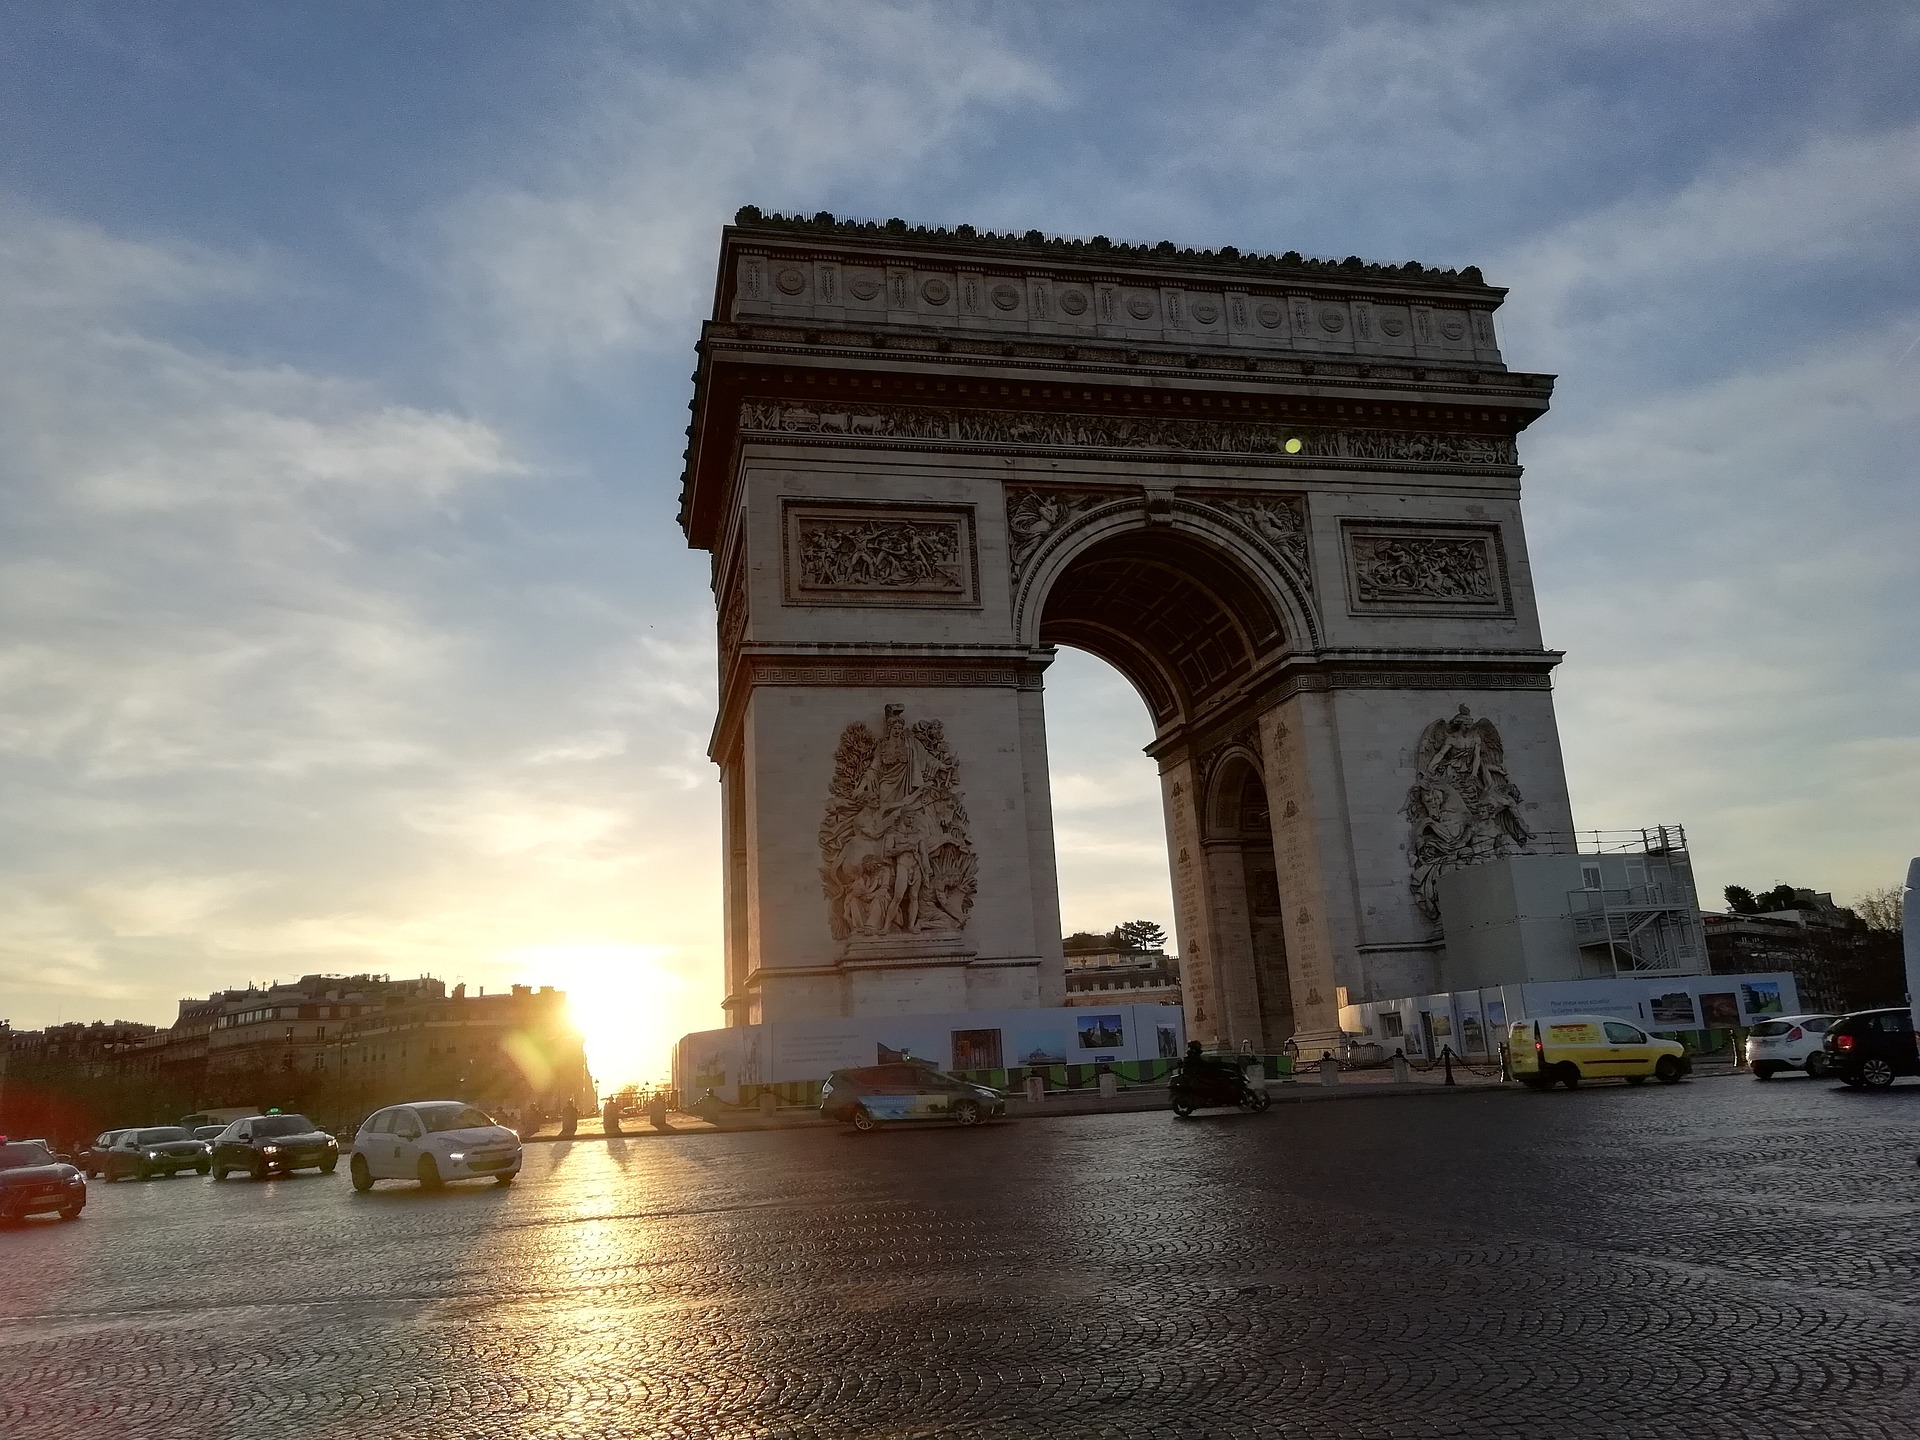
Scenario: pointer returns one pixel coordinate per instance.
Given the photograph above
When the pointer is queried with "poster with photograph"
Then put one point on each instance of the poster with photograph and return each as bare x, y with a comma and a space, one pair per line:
976, 1050
1719, 1011
1101, 1032
1038, 1043
1762, 997
1496, 1017
1675, 1008
1169, 1041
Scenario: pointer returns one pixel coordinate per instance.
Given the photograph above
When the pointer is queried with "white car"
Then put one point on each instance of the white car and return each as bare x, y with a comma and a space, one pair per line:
433, 1141
1789, 1042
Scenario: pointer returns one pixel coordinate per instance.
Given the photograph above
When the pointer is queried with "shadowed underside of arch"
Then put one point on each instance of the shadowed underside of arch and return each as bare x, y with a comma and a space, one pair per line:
1176, 616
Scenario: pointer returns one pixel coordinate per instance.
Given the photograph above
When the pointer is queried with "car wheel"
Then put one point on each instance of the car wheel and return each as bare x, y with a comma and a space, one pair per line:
259, 1171
862, 1118
202, 1169
506, 1179
1852, 1077
1569, 1075
362, 1176
1667, 1070
429, 1173
143, 1173
1763, 1072
1877, 1072
1183, 1108
966, 1113
70, 1212
1535, 1082
327, 1165
1816, 1066
1258, 1100
219, 1172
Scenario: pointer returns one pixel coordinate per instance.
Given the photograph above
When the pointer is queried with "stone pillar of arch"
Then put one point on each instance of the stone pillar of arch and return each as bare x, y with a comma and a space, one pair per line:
1281, 497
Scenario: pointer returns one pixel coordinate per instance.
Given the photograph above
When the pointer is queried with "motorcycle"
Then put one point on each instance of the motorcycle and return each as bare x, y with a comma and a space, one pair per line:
1216, 1087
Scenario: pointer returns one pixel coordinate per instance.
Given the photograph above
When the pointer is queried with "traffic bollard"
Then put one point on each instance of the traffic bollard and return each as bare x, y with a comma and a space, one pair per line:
1402, 1071
1329, 1069
1109, 1085
1036, 1089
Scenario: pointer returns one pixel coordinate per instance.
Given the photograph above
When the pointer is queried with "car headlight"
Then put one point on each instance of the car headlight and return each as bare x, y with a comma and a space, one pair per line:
76, 1179
332, 1144
456, 1155
269, 1149
154, 1155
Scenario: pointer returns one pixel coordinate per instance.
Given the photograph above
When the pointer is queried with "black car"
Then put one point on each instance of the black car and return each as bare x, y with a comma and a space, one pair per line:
263, 1145
156, 1150
874, 1094
34, 1181
1873, 1047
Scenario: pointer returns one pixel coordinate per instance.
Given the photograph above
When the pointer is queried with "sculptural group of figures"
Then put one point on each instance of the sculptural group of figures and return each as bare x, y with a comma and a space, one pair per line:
871, 554
1426, 569
1462, 807
897, 856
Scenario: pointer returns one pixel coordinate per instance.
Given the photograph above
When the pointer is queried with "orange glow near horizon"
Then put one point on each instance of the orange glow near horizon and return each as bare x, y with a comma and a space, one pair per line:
627, 1004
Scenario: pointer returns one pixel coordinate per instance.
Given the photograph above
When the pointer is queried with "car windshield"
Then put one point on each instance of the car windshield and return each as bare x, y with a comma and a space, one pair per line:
19, 1154
1771, 1027
282, 1125
162, 1135
452, 1116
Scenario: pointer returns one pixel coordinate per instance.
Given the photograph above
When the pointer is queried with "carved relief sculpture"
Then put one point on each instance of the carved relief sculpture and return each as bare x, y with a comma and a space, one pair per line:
1034, 515
1047, 429
838, 554
879, 554
1280, 520
1389, 568
1462, 808
896, 856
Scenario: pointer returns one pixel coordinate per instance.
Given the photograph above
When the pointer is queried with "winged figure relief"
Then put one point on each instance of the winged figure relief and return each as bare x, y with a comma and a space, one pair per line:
1462, 807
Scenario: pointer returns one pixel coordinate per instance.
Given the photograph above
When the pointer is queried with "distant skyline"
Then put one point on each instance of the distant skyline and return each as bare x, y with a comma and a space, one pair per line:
347, 625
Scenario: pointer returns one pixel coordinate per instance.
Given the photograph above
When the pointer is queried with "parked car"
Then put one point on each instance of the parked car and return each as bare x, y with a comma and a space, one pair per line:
35, 1181
208, 1133
874, 1094
92, 1157
433, 1141
1566, 1049
274, 1144
1872, 1047
1789, 1042
155, 1150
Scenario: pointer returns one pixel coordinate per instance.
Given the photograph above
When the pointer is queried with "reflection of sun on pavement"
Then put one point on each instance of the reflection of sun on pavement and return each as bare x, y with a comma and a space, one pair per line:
629, 1007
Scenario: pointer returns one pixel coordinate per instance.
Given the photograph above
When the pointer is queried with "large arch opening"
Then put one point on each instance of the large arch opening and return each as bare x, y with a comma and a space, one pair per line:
1186, 624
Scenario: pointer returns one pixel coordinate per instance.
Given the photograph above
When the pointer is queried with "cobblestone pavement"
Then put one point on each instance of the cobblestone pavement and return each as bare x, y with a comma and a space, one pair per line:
1716, 1259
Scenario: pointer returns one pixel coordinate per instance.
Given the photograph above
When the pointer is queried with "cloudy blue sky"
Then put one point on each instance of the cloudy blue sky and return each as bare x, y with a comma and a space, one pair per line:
345, 622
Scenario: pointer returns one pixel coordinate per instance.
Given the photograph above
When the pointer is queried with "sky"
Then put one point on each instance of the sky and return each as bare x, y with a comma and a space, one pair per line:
344, 622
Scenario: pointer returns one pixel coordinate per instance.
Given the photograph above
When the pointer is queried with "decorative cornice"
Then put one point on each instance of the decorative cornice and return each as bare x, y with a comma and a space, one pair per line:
1098, 249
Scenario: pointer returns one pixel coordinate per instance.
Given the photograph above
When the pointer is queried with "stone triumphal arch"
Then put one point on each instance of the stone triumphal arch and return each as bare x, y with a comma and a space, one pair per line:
1280, 496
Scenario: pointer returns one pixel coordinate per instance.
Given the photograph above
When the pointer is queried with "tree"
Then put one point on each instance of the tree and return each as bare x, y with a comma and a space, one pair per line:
1881, 909
1139, 935
1085, 942
1740, 900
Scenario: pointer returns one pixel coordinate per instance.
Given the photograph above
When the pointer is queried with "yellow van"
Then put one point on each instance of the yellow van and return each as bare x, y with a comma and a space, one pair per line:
1566, 1049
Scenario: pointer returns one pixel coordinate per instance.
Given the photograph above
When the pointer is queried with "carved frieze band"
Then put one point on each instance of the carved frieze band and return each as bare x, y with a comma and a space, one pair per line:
872, 553
1049, 430
1413, 568
1278, 521
904, 677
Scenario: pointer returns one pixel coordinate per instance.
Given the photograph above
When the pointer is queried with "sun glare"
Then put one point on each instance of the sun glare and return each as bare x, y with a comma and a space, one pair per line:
628, 1005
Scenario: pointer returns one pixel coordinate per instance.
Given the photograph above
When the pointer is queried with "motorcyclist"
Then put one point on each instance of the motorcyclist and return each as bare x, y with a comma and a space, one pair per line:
1197, 1070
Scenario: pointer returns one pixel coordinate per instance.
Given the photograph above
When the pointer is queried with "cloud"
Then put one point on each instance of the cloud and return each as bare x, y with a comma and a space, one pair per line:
609, 244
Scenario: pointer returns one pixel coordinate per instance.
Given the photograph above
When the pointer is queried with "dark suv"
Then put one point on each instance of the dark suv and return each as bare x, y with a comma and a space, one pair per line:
1872, 1047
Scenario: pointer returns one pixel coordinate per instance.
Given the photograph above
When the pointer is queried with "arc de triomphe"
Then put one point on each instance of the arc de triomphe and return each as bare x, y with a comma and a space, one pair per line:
1281, 496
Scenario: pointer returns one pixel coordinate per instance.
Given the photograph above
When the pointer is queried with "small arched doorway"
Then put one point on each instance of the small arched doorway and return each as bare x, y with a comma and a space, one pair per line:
1191, 626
